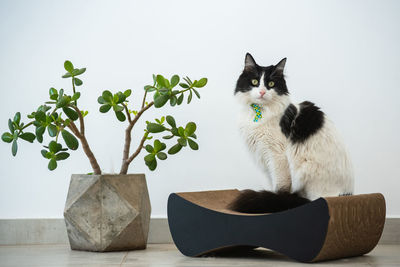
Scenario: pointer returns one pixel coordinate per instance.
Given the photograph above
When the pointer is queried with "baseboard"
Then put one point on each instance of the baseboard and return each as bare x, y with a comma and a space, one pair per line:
53, 231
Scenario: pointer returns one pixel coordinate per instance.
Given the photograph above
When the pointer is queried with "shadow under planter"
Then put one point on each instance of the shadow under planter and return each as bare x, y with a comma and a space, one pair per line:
107, 212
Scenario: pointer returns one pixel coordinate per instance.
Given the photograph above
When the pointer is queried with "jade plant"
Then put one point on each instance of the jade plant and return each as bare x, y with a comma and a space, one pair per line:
61, 114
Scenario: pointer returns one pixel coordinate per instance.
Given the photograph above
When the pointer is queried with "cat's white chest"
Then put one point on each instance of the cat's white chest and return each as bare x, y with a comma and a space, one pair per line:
262, 137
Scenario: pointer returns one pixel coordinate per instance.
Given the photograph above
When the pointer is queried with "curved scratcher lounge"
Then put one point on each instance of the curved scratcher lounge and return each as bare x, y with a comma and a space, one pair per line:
327, 228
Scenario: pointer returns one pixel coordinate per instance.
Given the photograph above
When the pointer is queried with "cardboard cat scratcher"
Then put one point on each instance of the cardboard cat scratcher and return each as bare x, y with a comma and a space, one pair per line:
324, 229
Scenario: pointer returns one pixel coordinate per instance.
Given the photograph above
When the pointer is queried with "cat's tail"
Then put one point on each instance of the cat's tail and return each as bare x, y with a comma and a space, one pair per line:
250, 201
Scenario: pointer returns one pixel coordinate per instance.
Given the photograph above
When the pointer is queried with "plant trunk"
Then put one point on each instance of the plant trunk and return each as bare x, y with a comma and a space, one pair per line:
124, 167
125, 162
89, 154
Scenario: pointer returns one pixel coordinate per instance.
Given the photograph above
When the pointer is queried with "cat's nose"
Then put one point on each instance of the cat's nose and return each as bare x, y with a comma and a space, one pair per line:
262, 92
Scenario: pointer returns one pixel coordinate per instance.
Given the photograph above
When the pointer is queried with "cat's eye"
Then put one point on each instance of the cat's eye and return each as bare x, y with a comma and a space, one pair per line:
254, 81
271, 84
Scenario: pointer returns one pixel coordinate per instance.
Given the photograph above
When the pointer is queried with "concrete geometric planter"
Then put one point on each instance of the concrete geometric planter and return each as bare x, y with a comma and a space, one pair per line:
107, 212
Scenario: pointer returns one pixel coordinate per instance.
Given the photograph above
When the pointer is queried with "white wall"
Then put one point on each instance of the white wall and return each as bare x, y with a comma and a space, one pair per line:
343, 55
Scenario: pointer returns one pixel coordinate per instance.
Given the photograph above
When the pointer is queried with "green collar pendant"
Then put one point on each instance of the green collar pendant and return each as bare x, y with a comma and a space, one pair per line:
257, 110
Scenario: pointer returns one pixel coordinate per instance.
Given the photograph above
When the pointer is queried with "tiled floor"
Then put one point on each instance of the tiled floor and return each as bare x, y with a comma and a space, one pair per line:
168, 255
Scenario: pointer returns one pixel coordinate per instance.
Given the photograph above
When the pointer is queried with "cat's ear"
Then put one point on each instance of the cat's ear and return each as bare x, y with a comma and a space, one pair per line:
279, 68
249, 62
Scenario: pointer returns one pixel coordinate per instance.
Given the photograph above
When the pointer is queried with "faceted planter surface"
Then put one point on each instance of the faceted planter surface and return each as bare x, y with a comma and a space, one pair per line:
107, 212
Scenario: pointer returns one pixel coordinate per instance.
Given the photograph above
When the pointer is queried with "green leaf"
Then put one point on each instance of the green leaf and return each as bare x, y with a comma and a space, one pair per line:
60, 94
107, 96
120, 116
40, 116
155, 128
62, 156
152, 165
77, 72
173, 100
187, 79
175, 149
128, 92
190, 97
70, 140
28, 137
101, 100
121, 97
193, 145
171, 121
115, 98
175, 131
197, 93
161, 80
67, 75
182, 141
149, 148
72, 114
44, 153
54, 147
149, 158
190, 128
52, 130
76, 96
78, 82
63, 101
14, 147
11, 126
162, 155
160, 101
180, 99
184, 85
164, 91
149, 88
53, 93
17, 118
39, 133
163, 146
157, 145
168, 137
118, 108
7, 137
52, 164
105, 108
181, 131
68, 66
201, 83
174, 80
154, 79
167, 84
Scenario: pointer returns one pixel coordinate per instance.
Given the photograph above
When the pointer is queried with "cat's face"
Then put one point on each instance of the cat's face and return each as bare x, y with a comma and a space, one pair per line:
260, 85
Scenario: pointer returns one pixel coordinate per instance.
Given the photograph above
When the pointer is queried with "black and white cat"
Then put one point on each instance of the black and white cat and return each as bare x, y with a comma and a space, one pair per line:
296, 145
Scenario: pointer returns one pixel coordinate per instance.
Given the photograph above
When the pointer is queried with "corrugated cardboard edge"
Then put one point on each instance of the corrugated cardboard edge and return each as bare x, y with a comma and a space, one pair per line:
355, 226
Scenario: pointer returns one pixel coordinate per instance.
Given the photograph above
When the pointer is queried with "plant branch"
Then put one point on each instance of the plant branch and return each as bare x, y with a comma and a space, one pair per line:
73, 88
125, 165
128, 138
74, 129
81, 121
144, 99
127, 112
135, 119
85, 145
27, 125
139, 148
